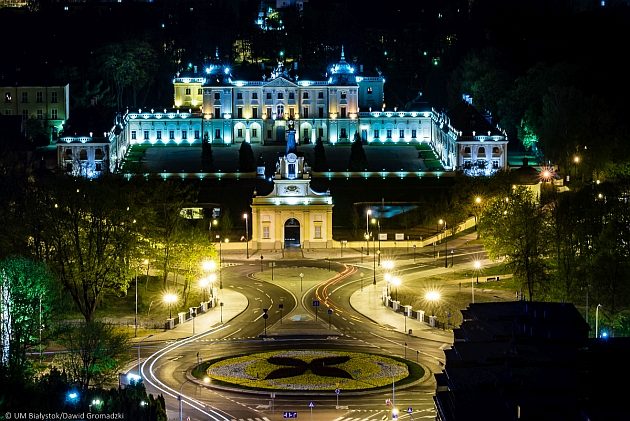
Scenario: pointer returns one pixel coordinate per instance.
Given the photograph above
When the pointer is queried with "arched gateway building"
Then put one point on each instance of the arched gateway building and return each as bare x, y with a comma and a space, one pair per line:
292, 215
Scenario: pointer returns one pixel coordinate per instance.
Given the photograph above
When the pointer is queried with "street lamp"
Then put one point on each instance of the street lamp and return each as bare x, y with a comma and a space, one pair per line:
377, 222
396, 282
440, 222
477, 204
208, 266
246, 235
301, 279
146, 281
203, 283
597, 321
367, 230
169, 298
432, 297
387, 265
477, 265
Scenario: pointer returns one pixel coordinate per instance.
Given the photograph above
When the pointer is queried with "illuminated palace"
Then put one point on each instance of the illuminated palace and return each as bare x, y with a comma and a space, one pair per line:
212, 105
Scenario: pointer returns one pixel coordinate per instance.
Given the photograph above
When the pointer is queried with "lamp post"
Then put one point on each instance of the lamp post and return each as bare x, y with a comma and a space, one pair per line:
301, 279
203, 283
377, 222
146, 281
246, 235
374, 268
441, 221
170, 298
221, 307
367, 231
477, 204
396, 282
597, 321
387, 265
477, 265
432, 297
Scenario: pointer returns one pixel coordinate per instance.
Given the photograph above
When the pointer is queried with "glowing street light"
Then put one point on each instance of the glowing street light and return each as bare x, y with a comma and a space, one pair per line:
477, 265
396, 282
443, 222
432, 297
367, 230
169, 298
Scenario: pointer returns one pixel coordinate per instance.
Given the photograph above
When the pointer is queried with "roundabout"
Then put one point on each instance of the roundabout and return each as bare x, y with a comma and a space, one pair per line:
309, 370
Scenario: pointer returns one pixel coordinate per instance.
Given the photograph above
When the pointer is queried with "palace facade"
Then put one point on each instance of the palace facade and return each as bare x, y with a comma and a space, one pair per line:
213, 105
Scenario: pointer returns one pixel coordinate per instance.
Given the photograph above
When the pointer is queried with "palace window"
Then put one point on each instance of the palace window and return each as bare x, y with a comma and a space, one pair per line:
320, 112
187, 91
239, 132
376, 134
217, 133
389, 133
320, 132
318, 232
199, 91
24, 96
217, 112
255, 112
239, 112
343, 94
280, 95
343, 134
98, 154
280, 110
217, 96
39, 97
53, 97
83, 155
98, 166
467, 150
291, 113
320, 95
254, 95
305, 112
239, 95
171, 134
401, 133
304, 95
146, 135
343, 112
184, 134
133, 135
305, 135
197, 134
269, 134
413, 133
481, 151
254, 133
158, 135
24, 113
53, 114
495, 164
291, 95
496, 151
40, 114
266, 231
268, 95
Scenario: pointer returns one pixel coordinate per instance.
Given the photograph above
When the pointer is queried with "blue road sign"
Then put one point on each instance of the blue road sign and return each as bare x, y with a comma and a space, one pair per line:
315, 303
330, 311
311, 404
337, 391
410, 410
289, 414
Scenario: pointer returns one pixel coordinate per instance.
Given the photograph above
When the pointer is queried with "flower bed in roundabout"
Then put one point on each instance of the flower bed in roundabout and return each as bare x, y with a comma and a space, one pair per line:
309, 370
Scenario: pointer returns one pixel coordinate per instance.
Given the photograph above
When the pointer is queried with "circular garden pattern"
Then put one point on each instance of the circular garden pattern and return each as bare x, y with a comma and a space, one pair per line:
310, 370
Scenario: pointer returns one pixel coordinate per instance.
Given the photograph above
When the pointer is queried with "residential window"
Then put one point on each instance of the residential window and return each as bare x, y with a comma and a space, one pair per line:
40, 114
254, 95
53, 97
185, 134
239, 133
389, 133
254, 112
343, 134
376, 134
239, 112
196, 134
401, 133
39, 97
146, 135
343, 112
320, 112
413, 133
171, 134
217, 112
133, 135
217, 133
254, 133
187, 91
217, 96
53, 114
268, 95
320, 95
266, 231
158, 135
369, 90
291, 95
280, 95
343, 94
304, 95
24, 96
239, 95
318, 231
305, 112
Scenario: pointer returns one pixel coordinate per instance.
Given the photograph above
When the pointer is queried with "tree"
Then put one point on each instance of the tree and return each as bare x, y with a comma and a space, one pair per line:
190, 252
96, 352
246, 160
25, 302
516, 227
320, 163
358, 159
87, 233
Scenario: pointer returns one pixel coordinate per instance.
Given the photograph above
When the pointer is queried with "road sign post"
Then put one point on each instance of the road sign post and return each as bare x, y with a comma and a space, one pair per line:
316, 305
337, 392
330, 312
311, 405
